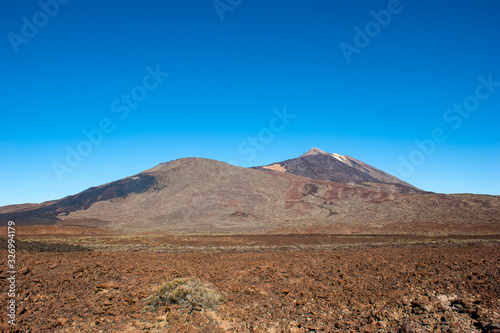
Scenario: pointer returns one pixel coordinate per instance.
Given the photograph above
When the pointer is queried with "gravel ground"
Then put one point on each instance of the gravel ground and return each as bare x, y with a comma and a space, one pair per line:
449, 287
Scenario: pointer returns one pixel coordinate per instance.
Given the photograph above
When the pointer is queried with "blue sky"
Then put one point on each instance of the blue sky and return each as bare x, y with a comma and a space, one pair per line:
250, 83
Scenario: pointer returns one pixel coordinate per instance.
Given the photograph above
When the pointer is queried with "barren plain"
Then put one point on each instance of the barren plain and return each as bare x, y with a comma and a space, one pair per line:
272, 283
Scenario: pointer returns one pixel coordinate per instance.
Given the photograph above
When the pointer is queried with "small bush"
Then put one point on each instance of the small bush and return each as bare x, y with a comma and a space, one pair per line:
189, 293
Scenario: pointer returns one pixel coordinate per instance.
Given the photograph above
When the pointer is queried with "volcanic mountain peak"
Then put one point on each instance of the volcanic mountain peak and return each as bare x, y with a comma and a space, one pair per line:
320, 165
315, 151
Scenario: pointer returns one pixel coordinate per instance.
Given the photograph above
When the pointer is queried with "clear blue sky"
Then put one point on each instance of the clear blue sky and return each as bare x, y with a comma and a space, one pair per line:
70, 68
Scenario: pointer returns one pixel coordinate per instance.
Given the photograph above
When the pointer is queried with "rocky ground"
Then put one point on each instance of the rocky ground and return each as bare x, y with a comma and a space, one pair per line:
448, 286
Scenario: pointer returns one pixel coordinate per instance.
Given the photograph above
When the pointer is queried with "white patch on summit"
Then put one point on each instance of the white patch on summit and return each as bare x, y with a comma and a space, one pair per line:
317, 151
341, 158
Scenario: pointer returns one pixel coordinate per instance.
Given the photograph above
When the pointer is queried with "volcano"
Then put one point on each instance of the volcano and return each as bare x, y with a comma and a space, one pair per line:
317, 192
317, 164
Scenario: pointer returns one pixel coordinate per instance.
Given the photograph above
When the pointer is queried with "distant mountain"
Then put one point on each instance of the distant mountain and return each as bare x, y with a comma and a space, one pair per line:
332, 194
317, 164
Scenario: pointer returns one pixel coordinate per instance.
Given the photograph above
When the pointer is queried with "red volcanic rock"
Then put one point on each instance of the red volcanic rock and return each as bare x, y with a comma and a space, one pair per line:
411, 288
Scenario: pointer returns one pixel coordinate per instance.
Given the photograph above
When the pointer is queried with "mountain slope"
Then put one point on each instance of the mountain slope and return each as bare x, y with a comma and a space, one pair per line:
179, 195
317, 164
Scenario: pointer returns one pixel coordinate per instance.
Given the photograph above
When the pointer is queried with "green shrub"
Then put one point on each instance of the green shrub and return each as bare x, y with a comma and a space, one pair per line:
189, 293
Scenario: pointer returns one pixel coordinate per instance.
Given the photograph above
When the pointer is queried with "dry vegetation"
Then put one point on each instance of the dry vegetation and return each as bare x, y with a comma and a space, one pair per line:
189, 293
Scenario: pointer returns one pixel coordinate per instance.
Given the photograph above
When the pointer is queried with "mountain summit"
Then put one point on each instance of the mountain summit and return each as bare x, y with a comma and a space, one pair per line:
315, 151
320, 165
